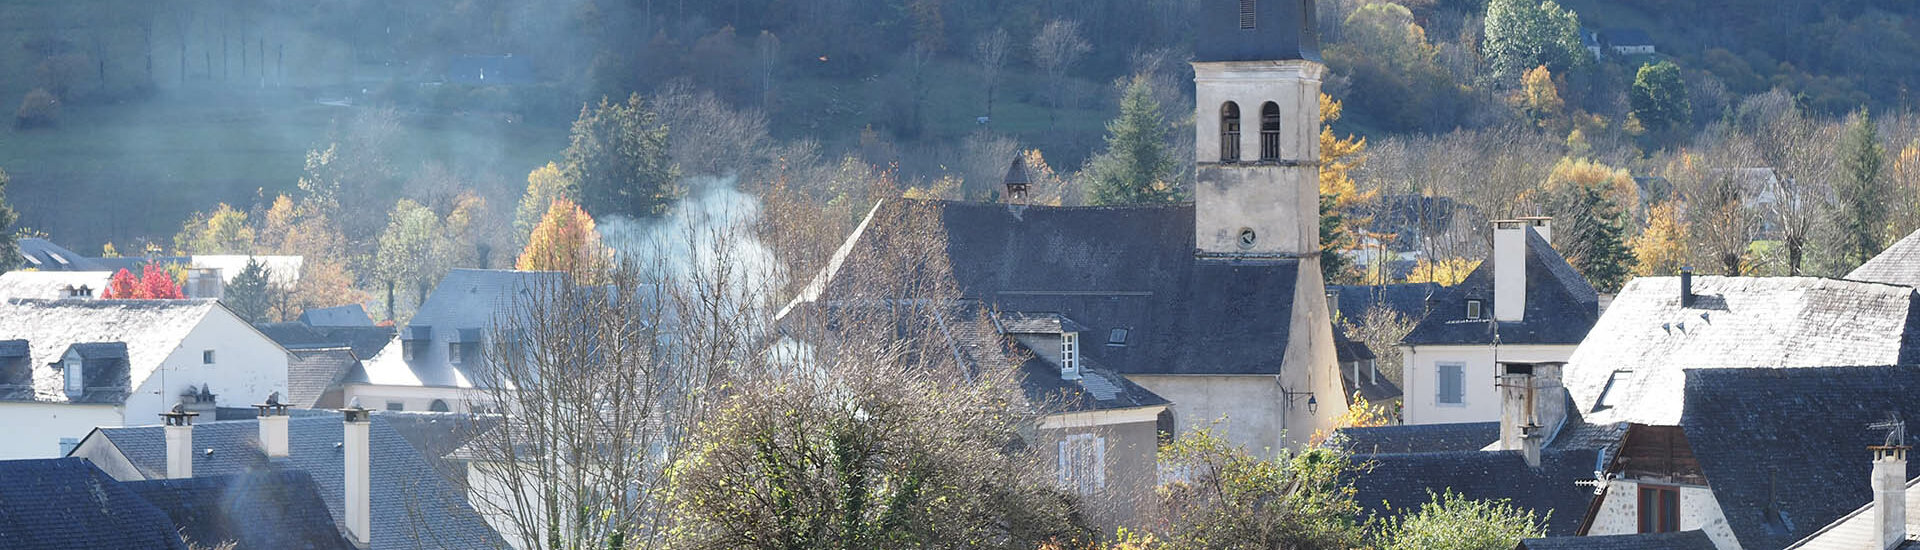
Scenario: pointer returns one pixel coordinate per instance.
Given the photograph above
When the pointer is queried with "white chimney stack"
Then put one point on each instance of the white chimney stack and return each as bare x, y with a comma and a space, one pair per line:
1890, 496
179, 432
273, 426
1540, 224
359, 473
1510, 270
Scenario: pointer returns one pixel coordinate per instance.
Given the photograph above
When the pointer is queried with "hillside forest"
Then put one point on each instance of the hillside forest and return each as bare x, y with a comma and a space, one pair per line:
389, 142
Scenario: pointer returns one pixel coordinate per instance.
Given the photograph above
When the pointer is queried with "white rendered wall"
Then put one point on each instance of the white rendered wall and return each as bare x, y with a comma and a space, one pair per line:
247, 366
34, 430
1480, 398
414, 398
1619, 513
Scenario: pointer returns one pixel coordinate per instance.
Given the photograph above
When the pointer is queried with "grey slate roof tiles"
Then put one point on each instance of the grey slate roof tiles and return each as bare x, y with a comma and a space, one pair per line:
1424, 438
1392, 484
313, 371
1793, 441
413, 506
1561, 305
466, 299
149, 329
264, 510
67, 503
1113, 267
350, 315
1631, 368
1897, 265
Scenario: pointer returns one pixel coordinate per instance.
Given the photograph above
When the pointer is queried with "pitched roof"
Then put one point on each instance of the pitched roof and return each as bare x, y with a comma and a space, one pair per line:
1630, 369
43, 255
1791, 443
365, 341
1627, 36
68, 503
51, 285
313, 371
1683, 540
465, 299
1388, 485
267, 510
412, 502
149, 329
1897, 265
1561, 305
350, 315
1856, 529
1422, 438
1110, 267
1097, 389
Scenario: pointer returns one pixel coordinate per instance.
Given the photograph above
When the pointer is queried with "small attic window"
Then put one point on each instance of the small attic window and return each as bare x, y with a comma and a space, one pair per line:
74, 377
1118, 337
206, 357
1474, 309
1247, 20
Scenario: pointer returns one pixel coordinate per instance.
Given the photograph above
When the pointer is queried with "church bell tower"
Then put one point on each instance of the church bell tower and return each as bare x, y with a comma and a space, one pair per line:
1257, 78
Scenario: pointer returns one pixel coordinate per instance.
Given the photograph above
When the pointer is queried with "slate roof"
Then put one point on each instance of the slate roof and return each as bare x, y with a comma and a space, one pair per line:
1684, 540
263, 510
1561, 305
1856, 529
43, 255
364, 341
1897, 265
413, 506
1640, 347
1110, 267
50, 285
67, 503
1792, 440
1407, 220
1391, 484
311, 372
350, 315
1424, 438
1626, 37
149, 329
465, 299
1098, 389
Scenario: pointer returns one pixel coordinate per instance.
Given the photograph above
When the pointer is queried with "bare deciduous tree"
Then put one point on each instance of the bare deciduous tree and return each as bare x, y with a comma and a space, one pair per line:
991, 53
1055, 49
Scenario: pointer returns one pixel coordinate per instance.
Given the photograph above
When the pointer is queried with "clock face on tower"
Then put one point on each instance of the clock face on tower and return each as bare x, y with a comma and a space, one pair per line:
1247, 238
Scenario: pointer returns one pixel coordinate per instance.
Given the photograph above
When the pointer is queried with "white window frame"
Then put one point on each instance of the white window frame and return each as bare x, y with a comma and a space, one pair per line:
1082, 463
1440, 371
1476, 309
74, 371
1070, 355
455, 354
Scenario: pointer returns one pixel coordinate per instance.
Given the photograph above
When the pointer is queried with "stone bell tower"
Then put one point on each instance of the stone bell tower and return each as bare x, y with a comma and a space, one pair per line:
1257, 78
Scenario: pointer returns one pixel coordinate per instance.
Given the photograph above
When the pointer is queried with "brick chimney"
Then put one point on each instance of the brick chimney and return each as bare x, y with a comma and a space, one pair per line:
1533, 405
179, 433
273, 426
359, 474
1510, 270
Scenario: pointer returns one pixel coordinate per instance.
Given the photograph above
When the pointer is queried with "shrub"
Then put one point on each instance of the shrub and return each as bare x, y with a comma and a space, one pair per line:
39, 108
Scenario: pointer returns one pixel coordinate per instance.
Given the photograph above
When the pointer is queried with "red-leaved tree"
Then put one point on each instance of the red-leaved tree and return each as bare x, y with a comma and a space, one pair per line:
123, 286
157, 284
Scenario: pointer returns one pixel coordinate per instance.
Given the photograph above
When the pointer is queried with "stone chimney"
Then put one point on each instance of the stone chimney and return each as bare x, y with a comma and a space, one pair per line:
1510, 270
1686, 287
359, 474
1540, 224
273, 426
179, 433
1533, 405
1890, 485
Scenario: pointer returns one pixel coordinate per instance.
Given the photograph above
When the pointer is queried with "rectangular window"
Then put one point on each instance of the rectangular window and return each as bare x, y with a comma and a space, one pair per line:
1451, 383
1070, 352
453, 352
1083, 463
1247, 20
74, 384
206, 357
68, 444
1659, 509
1473, 309
396, 406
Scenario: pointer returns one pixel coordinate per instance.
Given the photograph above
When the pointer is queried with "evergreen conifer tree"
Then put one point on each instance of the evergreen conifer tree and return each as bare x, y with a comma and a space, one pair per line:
1863, 190
1138, 166
247, 294
9, 243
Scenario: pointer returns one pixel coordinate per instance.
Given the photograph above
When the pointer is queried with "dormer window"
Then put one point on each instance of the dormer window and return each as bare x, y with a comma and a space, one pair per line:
1117, 338
71, 367
1070, 355
454, 354
1473, 310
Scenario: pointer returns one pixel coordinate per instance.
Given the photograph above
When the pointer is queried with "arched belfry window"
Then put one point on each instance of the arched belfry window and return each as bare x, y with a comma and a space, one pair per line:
1247, 20
1270, 132
1230, 132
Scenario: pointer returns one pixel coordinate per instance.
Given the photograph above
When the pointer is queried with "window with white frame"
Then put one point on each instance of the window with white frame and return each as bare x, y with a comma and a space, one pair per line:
75, 384
1473, 309
1070, 355
1450, 385
1083, 463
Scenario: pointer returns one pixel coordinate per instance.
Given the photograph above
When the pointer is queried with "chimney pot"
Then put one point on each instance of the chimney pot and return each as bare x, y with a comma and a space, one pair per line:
273, 426
1686, 287
179, 435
